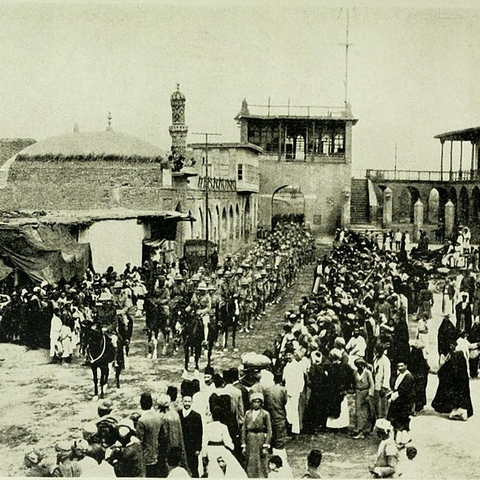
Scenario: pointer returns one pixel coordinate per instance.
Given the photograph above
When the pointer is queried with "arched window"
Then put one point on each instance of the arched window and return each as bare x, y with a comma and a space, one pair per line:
326, 144
300, 148
339, 143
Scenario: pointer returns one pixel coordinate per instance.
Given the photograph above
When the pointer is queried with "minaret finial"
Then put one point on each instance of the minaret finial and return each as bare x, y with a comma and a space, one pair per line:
109, 126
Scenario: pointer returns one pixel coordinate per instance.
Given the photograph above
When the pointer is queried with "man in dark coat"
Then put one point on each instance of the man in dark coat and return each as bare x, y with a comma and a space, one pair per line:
402, 400
148, 428
468, 285
316, 414
170, 435
463, 313
192, 434
276, 397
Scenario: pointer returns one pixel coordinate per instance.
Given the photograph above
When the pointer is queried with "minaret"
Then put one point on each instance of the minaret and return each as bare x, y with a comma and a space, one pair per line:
178, 129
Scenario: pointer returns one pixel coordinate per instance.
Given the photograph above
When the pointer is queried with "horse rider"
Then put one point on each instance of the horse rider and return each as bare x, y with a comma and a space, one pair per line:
123, 301
204, 307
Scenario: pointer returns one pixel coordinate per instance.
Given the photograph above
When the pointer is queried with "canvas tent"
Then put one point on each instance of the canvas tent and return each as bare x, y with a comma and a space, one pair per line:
44, 252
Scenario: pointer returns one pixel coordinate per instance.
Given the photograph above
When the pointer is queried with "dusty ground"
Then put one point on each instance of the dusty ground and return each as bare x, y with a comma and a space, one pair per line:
43, 403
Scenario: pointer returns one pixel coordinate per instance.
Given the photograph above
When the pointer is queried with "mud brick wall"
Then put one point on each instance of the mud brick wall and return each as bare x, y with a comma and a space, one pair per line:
73, 185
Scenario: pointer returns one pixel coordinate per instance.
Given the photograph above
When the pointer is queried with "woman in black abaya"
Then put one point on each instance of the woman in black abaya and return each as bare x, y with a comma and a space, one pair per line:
453, 392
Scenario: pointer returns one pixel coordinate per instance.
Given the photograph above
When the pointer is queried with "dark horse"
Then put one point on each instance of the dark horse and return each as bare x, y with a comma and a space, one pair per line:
100, 353
192, 337
228, 313
156, 321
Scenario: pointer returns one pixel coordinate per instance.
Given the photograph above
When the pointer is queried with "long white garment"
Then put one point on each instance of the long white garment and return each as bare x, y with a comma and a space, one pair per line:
294, 377
343, 420
55, 327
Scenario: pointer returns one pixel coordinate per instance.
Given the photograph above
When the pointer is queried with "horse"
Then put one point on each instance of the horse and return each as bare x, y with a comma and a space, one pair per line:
155, 322
192, 337
101, 351
228, 314
125, 331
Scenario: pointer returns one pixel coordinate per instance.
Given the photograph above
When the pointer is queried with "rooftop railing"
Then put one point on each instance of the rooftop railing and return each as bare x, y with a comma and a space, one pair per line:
297, 111
423, 175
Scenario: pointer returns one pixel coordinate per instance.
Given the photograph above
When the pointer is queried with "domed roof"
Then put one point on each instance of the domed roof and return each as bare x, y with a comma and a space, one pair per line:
177, 95
108, 145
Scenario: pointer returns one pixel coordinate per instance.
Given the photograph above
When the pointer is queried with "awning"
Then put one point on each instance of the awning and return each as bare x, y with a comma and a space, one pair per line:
165, 245
45, 252
4, 270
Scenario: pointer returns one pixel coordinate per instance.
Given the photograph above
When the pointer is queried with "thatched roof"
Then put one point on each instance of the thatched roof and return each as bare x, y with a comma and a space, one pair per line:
88, 146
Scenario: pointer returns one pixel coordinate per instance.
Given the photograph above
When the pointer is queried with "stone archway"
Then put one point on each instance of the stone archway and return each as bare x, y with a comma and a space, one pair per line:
403, 210
475, 203
433, 206
463, 207
219, 226
237, 222
452, 196
288, 203
201, 227
247, 220
231, 224
224, 228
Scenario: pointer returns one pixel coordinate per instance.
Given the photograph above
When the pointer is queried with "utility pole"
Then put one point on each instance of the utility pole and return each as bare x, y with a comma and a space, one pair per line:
346, 45
207, 185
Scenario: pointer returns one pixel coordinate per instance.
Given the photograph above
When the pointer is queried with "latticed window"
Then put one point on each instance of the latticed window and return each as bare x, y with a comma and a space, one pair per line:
240, 171
339, 143
326, 144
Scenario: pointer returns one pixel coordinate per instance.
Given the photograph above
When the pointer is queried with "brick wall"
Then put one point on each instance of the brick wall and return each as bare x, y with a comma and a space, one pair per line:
81, 185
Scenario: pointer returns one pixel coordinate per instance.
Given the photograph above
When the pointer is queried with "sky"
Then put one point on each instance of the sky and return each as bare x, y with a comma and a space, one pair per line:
413, 72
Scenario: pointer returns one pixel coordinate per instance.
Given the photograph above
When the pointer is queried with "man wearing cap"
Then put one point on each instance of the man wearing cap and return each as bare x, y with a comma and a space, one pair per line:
66, 467
256, 437
386, 459
148, 428
364, 394
204, 307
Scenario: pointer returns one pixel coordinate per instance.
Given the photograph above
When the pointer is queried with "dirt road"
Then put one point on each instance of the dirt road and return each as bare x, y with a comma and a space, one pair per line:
43, 403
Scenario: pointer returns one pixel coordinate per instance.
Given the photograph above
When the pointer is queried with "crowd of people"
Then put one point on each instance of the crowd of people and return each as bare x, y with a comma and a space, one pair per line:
345, 348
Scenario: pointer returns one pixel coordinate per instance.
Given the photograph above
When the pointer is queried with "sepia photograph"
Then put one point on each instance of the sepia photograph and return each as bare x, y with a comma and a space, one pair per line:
239, 239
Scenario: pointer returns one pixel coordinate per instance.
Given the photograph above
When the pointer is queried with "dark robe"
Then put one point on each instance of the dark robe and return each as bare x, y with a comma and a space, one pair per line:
316, 413
447, 335
419, 368
399, 350
453, 386
192, 429
341, 381
400, 409
463, 313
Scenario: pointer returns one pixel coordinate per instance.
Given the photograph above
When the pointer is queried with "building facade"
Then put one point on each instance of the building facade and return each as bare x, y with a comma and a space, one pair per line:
123, 196
306, 150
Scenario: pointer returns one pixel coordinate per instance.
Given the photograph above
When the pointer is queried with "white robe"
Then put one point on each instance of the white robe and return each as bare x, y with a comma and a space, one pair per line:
55, 327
